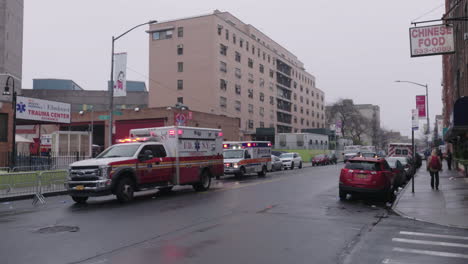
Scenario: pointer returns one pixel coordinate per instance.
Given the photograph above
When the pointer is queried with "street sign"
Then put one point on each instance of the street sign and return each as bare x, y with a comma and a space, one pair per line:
103, 117
431, 40
421, 105
117, 113
414, 119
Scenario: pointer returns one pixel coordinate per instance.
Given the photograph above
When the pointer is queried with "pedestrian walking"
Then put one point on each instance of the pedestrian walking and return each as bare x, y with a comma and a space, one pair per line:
449, 160
434, 165
441, 157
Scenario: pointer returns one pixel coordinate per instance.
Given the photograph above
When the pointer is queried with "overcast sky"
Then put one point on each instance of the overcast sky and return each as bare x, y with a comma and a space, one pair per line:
355, 49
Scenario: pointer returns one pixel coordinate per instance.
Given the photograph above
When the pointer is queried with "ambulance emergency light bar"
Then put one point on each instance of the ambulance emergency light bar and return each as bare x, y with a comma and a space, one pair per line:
246, 145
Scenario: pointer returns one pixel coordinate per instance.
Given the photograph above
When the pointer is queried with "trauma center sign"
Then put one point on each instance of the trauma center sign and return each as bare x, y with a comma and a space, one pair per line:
42, 110
431, 40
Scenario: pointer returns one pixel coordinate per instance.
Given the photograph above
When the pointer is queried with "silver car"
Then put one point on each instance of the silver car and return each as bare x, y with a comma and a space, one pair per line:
276, 164
291, 160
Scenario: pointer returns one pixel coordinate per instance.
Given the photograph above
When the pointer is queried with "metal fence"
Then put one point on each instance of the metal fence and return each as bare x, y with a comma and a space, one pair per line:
26, 162
37, 183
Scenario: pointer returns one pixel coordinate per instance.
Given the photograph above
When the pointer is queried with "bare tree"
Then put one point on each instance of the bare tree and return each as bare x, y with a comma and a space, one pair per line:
353, 123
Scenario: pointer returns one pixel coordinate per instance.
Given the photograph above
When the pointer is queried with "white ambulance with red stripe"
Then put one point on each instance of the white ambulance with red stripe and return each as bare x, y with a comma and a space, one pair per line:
400, 150
245, 157
159, 157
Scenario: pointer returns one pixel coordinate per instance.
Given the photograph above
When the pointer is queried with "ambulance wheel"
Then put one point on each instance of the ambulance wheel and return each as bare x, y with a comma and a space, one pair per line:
80, 199
205, 182
125, 190
165, 190
241, 173
263, 172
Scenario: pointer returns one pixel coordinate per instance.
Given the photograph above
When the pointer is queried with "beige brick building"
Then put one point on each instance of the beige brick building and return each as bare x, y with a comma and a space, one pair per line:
217, 64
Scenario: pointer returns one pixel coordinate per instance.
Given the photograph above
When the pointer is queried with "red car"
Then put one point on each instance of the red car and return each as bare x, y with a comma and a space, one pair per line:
320, 160
367, 175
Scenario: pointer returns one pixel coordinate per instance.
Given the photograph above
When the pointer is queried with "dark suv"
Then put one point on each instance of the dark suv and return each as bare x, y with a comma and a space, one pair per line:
367, 175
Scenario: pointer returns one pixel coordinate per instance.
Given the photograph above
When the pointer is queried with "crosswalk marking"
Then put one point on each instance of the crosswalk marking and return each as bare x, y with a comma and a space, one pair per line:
431, 253
432, 235
429, 242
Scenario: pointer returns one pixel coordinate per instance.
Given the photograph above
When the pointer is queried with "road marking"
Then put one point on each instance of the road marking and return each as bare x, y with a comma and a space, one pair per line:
432, 235
431, 253
391, 261
428, 242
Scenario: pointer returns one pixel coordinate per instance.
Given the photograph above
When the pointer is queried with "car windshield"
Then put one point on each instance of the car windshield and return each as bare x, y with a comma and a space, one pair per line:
121, 150
362, 165
286, 155
368, 154
403, 160
233, 154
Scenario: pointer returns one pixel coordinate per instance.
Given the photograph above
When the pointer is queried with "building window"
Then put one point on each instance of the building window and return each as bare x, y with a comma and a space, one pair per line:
180, 84
272, 73
238, 106
264, 56
180, 100
238, 73
271, 86
302, 88
251, 80
238, 89
272, 100
262, 82
307, 90
301, 99
251, 110
165, 34
222, 102
156, 35
247, 45
262, 111
302, 121
258, 52
250, 63
253, 49
168, 34
180, 49
3, 127
268, 58
238, 57
251, 124
307, 101
262, 97
261, 68
295, 96
220, 28
234, 38
262, 124
223, 49
222, 84
295, 120
307, 111
180, 66
250, 93
312, 93
222, 66
241, 43
227, 34
302, 110
180, 32
295, 108
295, 84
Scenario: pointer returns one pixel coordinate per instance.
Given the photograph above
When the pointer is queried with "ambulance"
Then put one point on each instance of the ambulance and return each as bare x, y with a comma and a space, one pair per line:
160, 157
246, 157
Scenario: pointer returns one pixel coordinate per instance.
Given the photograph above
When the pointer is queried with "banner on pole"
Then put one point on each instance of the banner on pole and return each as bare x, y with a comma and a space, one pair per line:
421, 105
440, 127
414, 119
120, 74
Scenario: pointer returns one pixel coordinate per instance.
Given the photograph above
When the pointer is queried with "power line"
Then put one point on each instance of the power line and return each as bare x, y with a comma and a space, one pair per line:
430, 11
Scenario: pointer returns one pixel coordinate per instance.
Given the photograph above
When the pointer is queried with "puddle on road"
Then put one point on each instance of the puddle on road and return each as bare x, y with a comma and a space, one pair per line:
57, 229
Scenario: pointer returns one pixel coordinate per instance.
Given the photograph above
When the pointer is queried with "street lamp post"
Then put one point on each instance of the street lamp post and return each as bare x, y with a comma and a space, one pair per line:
6, 91
92, 126
427, 103
111, 92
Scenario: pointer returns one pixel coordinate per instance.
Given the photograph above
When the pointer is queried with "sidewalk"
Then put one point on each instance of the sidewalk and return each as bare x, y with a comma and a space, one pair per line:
447, 206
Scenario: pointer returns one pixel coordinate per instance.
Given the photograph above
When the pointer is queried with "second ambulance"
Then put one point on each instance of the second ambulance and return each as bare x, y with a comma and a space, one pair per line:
244, 157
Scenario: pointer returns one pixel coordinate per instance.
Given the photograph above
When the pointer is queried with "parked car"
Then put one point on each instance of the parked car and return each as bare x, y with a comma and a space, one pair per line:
350, 155
291, 160
399, 171
408, 167
333, 159
321, 159
369, 154
277, 153
367, 175
276, 164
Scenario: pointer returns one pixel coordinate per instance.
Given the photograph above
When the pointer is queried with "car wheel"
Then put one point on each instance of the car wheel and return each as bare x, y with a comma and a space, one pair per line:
300, 165
80, 199
292, 166
205, 182
342, 195
263, 172
125, 190
165, 190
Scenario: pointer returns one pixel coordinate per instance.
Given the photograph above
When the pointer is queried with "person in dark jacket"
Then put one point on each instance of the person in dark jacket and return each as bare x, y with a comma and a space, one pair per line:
449, 160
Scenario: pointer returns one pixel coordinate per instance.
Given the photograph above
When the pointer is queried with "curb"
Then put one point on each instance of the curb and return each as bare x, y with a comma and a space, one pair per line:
401, 214
31, 196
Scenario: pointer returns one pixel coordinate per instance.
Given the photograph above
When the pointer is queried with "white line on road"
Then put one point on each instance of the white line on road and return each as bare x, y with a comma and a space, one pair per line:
391, 261
432, 235
428, 242
431, 253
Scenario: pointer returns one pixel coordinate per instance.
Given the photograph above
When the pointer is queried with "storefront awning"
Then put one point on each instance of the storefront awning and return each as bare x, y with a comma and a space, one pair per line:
459, 125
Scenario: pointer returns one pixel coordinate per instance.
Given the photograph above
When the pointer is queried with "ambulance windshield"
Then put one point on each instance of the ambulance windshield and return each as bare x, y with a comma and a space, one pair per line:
233, 154
121, 150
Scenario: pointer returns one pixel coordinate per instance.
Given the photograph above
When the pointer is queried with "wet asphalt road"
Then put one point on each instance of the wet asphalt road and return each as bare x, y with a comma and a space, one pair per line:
287, 217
